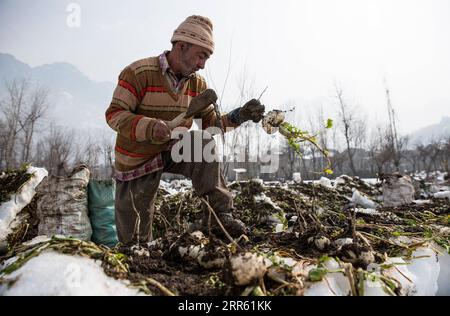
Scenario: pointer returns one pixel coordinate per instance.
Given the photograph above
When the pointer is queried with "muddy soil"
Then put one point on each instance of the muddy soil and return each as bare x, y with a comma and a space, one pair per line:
313, 218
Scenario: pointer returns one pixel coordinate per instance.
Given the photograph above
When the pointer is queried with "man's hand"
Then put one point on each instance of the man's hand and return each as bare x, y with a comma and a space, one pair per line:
252, 110
161, 132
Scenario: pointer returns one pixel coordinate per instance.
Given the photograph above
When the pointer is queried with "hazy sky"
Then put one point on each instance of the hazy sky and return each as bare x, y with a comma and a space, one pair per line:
296, 48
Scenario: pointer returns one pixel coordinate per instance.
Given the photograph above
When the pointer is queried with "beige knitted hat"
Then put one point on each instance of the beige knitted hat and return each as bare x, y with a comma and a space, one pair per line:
195, 30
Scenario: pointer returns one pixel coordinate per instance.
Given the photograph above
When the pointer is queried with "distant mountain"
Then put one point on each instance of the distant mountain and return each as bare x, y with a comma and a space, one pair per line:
10, 67
432, 132
76, 101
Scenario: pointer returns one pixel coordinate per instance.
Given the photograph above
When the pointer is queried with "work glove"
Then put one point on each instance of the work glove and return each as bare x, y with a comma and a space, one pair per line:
252, 110
160, 132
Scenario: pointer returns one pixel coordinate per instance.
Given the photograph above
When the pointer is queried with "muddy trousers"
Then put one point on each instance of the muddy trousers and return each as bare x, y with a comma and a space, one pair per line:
135, 199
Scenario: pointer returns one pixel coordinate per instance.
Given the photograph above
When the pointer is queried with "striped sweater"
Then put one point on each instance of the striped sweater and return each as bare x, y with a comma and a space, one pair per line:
143, 96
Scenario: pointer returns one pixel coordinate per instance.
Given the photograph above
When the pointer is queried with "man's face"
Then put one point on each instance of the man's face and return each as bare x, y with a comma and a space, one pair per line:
193, 58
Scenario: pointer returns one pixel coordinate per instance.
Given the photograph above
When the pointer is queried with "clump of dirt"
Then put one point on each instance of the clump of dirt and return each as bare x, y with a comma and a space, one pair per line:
26, 224
27, 228
175, 213
11, 181
182, 275
346, 185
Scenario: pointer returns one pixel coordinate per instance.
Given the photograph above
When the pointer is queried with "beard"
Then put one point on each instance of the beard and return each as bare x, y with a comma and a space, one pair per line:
187, 68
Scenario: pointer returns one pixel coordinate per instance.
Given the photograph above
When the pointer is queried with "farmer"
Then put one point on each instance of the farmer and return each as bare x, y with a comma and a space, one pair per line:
150, 93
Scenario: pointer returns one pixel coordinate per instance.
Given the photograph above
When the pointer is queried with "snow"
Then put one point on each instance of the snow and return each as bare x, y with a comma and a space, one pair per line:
367, 211
342, 179
325, 182
435, 188
190, 251
257, 181
262, 198
400, 272
362, 200
176, 186
442, 230
279, 228
373, 287
10, 209
140, 251
276, 217
297, 177
442, 195
401, 240
444, 273
278, 260
343, 241
425, 271
438, 175
419, 276
52, 273
371, 181
37, 240
421, 202
333, 284
426, 274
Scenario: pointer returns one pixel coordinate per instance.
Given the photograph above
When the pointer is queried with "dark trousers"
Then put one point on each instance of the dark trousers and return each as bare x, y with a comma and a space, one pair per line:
135, 199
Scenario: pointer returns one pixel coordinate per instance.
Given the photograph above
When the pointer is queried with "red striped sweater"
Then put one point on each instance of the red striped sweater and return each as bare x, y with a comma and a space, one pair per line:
142, 96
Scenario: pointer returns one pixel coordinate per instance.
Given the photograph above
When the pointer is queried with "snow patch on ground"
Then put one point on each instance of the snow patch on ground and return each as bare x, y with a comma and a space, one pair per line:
10, 209
325, 182
361, 199
333, 284
367, 211
176, 186
442, 195
52, 273
426, 274
444, 273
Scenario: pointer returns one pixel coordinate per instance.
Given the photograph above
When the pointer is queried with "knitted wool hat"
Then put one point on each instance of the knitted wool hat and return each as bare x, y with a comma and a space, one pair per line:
196, 30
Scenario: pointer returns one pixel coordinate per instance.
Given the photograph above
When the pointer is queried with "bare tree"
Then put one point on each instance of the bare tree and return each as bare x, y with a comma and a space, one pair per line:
87, 151
446, 155
239, 138
21, 111
422, 152
55, 151
12, 109
395, 142
29, 119
107, 150
435, 151
3, 141
90, 150
352, 125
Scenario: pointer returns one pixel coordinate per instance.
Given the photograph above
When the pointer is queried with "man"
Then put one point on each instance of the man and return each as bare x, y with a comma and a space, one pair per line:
151, 92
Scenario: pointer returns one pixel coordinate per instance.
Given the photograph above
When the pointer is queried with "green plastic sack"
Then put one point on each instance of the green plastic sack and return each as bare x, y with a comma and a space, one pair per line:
101, 212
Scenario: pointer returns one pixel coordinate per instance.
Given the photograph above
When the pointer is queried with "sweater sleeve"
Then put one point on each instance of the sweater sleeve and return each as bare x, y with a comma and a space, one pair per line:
121, 116
209, 117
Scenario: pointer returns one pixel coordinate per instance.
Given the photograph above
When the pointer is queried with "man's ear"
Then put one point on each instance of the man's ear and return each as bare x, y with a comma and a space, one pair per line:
184, 46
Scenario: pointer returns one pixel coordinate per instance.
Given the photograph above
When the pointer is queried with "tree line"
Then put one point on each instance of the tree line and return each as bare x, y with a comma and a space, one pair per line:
28, 135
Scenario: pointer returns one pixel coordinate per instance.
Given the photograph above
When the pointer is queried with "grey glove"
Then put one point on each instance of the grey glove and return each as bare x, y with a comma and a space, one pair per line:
252, 110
